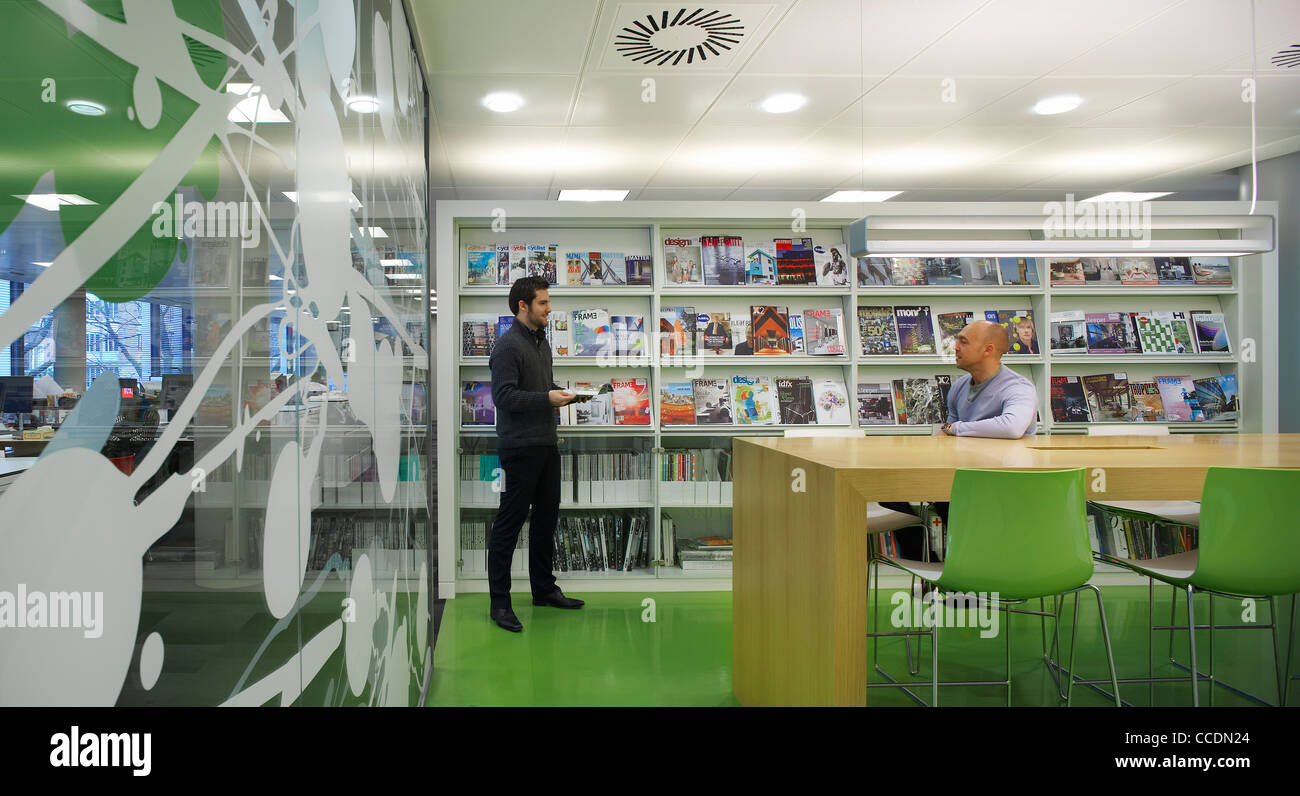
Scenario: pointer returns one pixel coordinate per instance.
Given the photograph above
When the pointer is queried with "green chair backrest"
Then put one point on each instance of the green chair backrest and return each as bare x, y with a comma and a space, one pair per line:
1019, 533
1249, 537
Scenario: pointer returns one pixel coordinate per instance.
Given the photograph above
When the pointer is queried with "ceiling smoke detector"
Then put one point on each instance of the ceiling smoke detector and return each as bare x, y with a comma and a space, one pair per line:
1288, 56
669, 38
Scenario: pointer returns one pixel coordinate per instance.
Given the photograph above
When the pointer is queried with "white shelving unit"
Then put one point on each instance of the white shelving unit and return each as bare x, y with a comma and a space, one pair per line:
1249, 306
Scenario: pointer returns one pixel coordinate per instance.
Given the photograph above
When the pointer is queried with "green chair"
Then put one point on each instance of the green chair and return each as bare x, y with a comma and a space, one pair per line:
1044, 551
1248, 548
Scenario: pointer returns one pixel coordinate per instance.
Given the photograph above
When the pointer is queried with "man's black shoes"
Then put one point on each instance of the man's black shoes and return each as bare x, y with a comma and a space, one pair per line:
556, 599
505, 617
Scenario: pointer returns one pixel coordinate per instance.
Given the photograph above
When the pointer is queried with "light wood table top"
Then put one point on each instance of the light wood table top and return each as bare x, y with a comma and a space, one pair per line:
799, 520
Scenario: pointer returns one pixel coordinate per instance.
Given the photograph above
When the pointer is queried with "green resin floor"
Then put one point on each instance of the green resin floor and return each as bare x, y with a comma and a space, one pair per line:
605, 654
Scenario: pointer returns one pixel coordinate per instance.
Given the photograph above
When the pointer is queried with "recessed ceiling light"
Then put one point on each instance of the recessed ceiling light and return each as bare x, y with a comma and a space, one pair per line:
363, 103
86, 107
571, 195
255, 109
398, 263
52, 201
783, 103
353, 201
861, 196
404, 276
1126, 196
372, 232
44, 265
276, 278
1061, 104
503, 102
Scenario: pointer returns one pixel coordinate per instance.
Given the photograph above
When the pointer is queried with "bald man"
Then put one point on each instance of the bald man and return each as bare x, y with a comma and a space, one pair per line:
990, 400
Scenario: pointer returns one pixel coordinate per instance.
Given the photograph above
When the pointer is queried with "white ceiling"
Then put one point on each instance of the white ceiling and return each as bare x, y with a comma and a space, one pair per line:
928, 96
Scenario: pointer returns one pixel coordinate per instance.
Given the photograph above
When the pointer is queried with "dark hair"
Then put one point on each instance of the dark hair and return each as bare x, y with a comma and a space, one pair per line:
525, 289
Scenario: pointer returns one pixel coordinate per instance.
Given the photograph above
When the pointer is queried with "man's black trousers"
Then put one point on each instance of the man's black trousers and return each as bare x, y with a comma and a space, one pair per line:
532, 479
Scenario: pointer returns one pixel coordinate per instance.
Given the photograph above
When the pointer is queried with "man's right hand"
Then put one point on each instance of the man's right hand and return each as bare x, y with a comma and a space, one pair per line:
560, 397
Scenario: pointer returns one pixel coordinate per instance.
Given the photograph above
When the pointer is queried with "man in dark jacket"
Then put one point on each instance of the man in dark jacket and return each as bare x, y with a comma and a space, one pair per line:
526, 397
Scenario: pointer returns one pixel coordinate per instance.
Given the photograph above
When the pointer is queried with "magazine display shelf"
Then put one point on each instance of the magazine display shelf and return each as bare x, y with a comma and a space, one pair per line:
1249, 306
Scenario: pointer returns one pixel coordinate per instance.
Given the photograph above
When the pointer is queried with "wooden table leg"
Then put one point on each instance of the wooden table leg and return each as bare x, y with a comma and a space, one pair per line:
799, 583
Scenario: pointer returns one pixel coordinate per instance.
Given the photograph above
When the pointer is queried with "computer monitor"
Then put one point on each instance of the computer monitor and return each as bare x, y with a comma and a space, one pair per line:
17, 394
175, 386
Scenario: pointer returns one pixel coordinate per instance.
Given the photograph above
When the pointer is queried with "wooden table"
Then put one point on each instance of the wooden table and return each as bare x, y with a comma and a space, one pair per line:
799, 578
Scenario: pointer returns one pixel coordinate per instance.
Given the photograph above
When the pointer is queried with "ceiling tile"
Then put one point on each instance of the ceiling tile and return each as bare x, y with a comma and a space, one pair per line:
1099, 94
506, 156
609, 100
748, 193
1212, 101
1027, 37
458, 99
504, 36
713, 155
910, 101
615, 158
685, 194
826, 98
1189, 38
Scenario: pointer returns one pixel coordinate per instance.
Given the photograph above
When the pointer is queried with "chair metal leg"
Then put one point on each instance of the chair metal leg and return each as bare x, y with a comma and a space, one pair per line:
1151, 641
1277, 659
1191, 643
934, 651
1211, 699
1007, 624
1105, 636
1290, 646
1074, 633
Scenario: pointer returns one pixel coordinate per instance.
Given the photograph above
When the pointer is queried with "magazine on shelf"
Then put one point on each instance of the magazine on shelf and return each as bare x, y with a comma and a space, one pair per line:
979, 271
900, 401
915, 329
875, 404
823, 332
541, 261
676, 404
1137, 271
1100, 270
476, 408
832, 266
593, 269
1069, 332
769, 331
795, 397
753, 400
557, 333
922, 402
831, 402
760, 263
1065, 271
1174, 271
712, 401
638, 269
1020, 271
950, 325
944, 382
1107, 332
907, 271
1069, 404
482, 263
676, 331
478, 334
715, 332
1108, 396
1155, 333
877, 331
598, 410
797, 342
943, 271
795, 263
1219, 398
875, 272
575, 268
682, 263
1211, 270
518, 262
591, 333
1178, 394
723, 258
503, 264
1211, 333
1019, 325
1181, 327
631, 402
613, 268
1147, 406
629, 335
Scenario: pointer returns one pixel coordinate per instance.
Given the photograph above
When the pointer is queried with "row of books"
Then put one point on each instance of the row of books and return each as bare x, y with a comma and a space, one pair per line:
342, 533
503, 263
335, 468
473, 541
909, 330
600, 542
700, 554
1022, 271
699, 476
581, 333
754, 400
1111, 397
1171, 332
586, 477
1122, 535
767, 330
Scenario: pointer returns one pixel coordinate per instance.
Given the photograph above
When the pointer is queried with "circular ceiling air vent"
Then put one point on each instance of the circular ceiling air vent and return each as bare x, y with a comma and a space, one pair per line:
660, 41
1288, 57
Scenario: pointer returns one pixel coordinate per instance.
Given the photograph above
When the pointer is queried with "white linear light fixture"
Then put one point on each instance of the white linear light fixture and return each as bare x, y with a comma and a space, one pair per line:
861, 196
52, 201
888, 235
1126, 196
353, 201
585, 195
